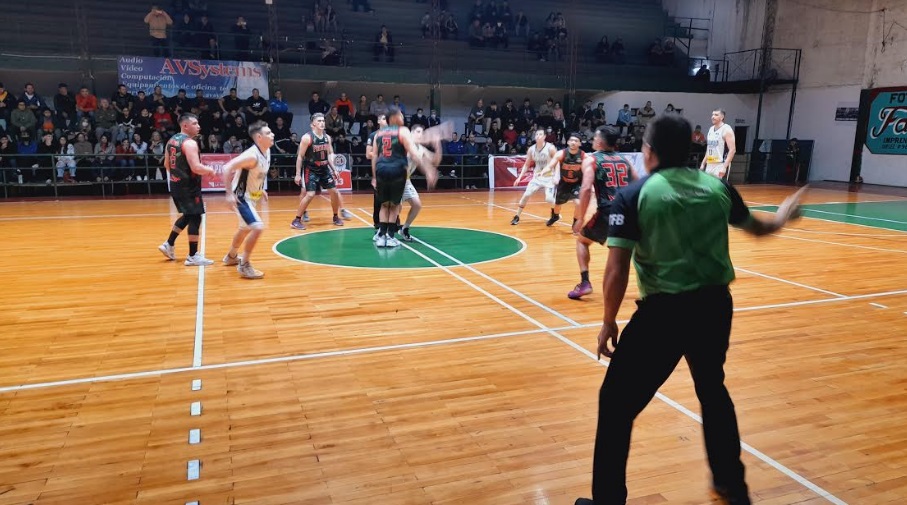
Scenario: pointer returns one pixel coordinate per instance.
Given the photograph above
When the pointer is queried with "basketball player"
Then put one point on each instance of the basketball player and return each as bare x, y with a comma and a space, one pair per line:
317, 154
370, 153
607, 171
568, 164
539, 155
185, 170
245, 176
409, 191
720, 135
389, 169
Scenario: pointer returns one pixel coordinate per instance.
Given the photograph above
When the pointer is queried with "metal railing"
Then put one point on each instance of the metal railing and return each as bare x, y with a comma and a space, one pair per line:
43, 175
769, 64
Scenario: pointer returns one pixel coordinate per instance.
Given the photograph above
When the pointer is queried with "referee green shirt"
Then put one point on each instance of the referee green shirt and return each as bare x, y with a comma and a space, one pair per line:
676, 223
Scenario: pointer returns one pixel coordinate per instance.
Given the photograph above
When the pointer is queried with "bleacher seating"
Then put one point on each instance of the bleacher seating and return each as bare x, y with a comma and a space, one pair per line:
116, 28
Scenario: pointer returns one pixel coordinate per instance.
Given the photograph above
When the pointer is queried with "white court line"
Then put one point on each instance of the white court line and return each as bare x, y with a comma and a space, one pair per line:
854, 215
394, 347
467, 282
879, 305
680, 408
856, 246
268, 361
200, 305
778, 279
489, 278
751, 272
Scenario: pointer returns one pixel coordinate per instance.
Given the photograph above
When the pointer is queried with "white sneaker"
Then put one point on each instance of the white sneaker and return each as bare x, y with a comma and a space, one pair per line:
392, 242
167, 250
232, 260
345, 214
381, 241
305, 216
377, 235
246, 271
197, 260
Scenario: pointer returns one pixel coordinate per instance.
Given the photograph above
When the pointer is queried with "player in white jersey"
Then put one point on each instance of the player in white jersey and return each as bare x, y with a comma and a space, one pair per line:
720, 135
543, 177
409, 191
245, 177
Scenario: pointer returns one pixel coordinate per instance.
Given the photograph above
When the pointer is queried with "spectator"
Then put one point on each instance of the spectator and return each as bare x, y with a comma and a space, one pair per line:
22, 121
377, 107
205, 38
476, 35
624, 118
157, 98
646, 114
476, 116
158, 21
7, 104
232, 145
65, 107
104, 152
317, 105
241, 39
699, 141
333, 123
280, 108
212, 146
670, 109
256, 107
398, 104
618, 51
156, 149
345, 108
704, 74
125, 159
449, 26
384, 45
492, 116
33, 101
419, 118
230, 104
180, 103
48, 125
66, 161
510, 135
603, 50
521, 25
434, 119
105, 119
163, 120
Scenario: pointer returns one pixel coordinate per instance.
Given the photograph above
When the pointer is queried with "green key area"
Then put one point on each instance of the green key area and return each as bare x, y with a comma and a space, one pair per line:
353, 247
891, 215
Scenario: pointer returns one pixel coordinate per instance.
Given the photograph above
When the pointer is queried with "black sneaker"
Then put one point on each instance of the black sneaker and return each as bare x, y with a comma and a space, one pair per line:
405, 235
729, 498
515, 220
584, 501
553, 219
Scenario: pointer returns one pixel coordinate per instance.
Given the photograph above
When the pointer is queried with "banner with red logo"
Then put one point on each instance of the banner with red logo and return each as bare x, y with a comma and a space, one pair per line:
503, 171
345, 178
216, 161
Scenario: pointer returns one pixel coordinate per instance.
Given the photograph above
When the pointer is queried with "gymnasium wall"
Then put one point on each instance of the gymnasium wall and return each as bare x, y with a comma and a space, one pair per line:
736, 25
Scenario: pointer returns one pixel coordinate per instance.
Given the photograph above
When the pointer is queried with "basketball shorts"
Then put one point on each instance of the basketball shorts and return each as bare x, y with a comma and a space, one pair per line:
391, 181
409, 191
596, 229
187, 201
320, 177
714, 169
545, 184
248, 215
566, 191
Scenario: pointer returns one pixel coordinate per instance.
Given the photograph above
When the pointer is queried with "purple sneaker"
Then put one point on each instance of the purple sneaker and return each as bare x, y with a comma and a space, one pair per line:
337, 221
297, 224
582, 289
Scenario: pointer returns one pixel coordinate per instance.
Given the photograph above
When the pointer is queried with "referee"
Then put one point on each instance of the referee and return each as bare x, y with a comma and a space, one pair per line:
673, 224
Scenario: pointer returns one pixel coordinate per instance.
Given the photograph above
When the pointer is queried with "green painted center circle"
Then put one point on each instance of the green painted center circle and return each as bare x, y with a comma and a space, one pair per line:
433, 246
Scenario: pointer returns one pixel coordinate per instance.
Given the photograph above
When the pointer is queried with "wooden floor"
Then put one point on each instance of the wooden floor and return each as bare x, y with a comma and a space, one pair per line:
464, 385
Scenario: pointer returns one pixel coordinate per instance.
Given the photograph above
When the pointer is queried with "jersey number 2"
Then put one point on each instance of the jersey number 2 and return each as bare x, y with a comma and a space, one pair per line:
386, 144
617, 174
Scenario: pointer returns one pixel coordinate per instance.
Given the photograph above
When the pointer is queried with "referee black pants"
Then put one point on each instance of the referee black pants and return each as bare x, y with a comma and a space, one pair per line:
695, 325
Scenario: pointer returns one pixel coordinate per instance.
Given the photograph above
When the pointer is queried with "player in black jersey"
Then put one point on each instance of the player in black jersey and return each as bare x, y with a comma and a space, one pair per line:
569, 174
316, 153
607, 171
185, 171
389, 169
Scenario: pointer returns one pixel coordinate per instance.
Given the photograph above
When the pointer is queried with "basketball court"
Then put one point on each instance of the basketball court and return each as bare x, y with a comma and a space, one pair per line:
452, 370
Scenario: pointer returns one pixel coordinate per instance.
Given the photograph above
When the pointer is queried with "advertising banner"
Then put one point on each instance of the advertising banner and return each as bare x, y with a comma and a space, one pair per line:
503, 170
217, 162
887, 131
214, 78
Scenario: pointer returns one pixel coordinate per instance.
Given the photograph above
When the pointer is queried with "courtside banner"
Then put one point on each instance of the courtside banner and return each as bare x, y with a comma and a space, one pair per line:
217, 162
214, 78
887, 130
503, 170
345, 179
